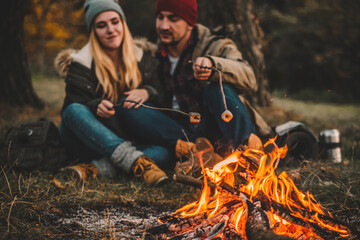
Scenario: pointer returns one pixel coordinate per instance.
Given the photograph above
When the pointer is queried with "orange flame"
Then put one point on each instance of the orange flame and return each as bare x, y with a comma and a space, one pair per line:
280, 189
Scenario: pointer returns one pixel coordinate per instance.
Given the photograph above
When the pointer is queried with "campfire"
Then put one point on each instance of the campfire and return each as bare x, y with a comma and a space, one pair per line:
243, 198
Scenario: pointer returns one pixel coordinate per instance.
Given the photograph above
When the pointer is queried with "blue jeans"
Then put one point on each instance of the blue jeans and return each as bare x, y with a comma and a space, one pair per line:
154, 126
86, 138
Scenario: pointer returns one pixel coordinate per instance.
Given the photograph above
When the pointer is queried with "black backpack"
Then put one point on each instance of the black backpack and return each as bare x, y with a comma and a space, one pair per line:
35, 145
301, 142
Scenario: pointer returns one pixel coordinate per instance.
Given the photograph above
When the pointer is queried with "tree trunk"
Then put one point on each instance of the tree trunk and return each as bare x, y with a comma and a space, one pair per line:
240, 24
15, 85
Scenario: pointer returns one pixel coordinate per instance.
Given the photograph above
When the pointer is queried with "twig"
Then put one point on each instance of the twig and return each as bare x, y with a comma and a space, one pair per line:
191, 181
5, 195
7, 181
28, 186
8, 153
191, 152
19, 184
8, 219
82, 188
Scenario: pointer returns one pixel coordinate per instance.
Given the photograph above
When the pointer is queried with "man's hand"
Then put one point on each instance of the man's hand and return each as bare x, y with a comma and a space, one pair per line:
137, 95
105, 109
202, 73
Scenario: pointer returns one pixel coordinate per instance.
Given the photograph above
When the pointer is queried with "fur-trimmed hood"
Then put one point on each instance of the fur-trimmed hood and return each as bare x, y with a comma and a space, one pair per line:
84, 56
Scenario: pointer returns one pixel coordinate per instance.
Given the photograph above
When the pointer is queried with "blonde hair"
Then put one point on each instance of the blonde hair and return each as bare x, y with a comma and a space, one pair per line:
105, 69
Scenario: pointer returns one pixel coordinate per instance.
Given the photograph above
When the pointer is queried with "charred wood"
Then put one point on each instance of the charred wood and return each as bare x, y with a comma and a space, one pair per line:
206, 230
218, 228
163, 228
258, 225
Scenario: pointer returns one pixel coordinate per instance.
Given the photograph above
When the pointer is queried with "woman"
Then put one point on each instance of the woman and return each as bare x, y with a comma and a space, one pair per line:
104, 73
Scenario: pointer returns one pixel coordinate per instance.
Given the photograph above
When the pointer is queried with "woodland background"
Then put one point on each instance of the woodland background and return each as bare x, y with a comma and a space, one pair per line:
311, 69
311, 47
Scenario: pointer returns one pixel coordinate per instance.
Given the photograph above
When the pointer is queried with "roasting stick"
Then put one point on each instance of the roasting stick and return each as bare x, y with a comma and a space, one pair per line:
193, 116
150, 107
226, 115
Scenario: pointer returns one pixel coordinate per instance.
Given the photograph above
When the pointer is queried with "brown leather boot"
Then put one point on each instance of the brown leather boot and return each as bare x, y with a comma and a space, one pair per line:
254, 142
146, 168
209, 157
192, 166
184, 149
84, 171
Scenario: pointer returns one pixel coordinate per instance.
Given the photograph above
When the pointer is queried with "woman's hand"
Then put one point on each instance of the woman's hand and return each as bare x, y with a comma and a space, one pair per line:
200, 72
105, 109
136, 95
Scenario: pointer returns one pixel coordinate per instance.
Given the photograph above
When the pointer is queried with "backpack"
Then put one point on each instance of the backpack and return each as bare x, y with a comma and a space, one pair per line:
35, 145
301, 142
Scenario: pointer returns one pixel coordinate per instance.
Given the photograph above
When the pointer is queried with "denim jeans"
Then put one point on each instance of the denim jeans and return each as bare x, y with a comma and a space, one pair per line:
86, 138
154, 126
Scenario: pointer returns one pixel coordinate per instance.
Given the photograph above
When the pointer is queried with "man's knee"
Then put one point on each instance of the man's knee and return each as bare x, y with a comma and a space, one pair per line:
213, 91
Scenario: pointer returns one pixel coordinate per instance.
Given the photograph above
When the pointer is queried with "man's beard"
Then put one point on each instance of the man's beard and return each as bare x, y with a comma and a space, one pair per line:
173, 41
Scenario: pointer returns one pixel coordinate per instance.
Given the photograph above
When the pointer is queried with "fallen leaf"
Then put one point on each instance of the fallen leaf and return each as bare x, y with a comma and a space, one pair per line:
57, 183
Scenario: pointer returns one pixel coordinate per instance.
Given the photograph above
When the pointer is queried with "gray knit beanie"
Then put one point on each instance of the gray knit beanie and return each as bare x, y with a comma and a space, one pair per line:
92, 8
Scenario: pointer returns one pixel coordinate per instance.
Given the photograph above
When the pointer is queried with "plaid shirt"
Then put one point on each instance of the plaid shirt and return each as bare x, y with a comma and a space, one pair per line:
187, 90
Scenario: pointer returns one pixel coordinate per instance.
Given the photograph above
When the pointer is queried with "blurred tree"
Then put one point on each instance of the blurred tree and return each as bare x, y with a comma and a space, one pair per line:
15, 86
50, 26
140, 16
40, 9
313, 44
240, 24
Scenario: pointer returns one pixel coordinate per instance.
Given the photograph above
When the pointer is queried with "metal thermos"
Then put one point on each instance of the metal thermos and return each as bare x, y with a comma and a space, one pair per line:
330, 141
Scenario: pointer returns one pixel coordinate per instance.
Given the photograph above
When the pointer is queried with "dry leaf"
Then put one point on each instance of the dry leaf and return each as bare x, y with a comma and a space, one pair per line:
57, 183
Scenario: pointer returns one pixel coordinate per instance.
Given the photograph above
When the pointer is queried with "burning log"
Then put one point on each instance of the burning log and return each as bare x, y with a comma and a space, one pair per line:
258, 225
279, 209
265, 206
207, 230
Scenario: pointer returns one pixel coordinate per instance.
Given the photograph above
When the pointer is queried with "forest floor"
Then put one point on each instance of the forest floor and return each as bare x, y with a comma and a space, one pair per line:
34, 207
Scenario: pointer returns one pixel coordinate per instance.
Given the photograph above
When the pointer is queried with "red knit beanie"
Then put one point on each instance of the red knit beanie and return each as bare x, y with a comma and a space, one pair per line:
186, 9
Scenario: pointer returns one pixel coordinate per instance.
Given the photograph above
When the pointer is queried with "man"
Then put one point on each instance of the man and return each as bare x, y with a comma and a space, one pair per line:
191, 62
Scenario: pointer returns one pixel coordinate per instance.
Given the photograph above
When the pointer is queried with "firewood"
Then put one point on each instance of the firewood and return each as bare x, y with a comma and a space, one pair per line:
191, 181
218, 228
163, 228
258, 226
207, 229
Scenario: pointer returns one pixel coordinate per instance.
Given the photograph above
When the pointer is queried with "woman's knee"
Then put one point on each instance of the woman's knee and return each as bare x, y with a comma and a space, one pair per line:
73, 112
74, 109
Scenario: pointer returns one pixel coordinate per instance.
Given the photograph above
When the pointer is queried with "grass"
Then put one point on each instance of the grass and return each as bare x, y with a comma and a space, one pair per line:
25, 196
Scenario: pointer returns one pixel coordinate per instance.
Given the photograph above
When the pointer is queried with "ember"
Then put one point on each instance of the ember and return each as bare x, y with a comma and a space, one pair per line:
243, 198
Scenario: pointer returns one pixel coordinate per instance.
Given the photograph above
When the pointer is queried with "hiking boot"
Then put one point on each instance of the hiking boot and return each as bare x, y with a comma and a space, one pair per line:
184, 149
209, 156
254, 142
201, 149
146, 168
84, 171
